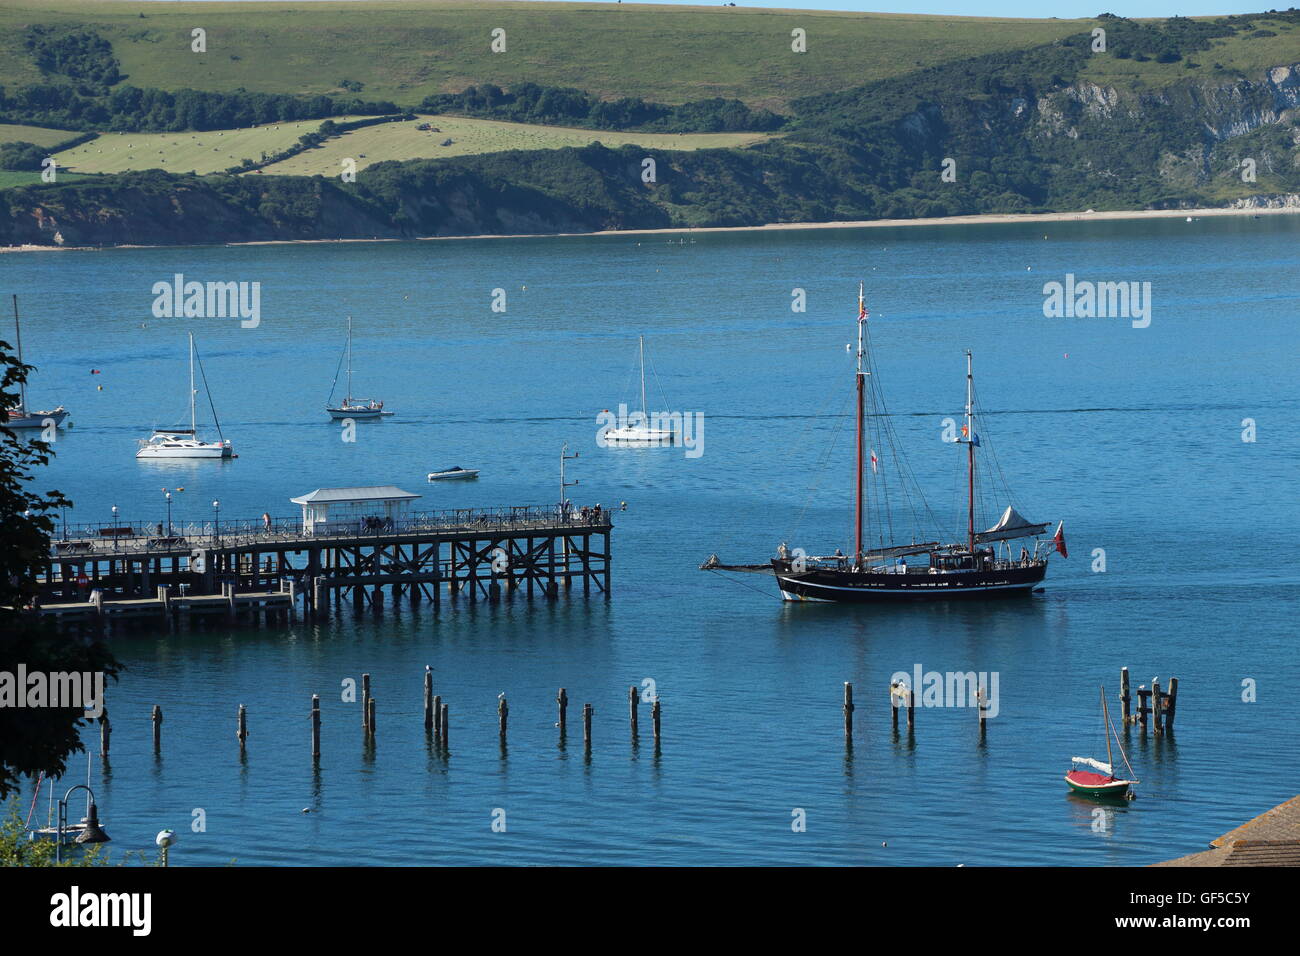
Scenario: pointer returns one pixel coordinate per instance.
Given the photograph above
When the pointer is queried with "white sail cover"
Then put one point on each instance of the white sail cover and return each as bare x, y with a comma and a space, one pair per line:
1096, 765
1012, 524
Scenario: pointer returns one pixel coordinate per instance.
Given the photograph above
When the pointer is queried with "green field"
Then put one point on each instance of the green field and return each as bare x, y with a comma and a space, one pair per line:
403, 50
218, 150
374, 144
39, 135
207, 152
1242, 53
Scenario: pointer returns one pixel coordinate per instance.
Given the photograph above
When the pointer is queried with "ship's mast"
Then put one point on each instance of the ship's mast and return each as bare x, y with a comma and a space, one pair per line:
970, 456
1105, 715
18, 343
193, 428
862, 379
348, 400
643, 404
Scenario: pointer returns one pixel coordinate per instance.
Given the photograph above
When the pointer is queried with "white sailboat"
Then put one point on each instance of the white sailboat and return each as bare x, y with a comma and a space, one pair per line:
635, 430
20, 416
185, 442
363, 408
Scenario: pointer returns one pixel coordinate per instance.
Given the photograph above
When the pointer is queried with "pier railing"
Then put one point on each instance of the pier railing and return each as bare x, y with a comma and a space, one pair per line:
127, 535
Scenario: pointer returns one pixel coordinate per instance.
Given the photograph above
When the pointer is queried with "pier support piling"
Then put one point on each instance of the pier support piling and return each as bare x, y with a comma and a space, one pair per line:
428, 698
315, 726
157, 729
848, 712
1171, 704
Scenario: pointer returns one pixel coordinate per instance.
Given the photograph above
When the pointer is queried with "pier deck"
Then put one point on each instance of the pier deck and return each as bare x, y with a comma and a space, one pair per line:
127, 569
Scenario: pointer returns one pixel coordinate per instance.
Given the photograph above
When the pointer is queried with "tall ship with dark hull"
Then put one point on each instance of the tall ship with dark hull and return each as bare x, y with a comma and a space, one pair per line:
982, 565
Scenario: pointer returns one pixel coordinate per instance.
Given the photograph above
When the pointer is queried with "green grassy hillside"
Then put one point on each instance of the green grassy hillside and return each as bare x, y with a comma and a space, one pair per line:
217, 150
402, 51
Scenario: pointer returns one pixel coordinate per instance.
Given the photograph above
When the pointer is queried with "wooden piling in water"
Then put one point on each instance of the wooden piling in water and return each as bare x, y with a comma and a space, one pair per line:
848, 711
157, 729
1156, 718
1144, 708
442, 726
1171, 704
503, 716
981, 704
911, 709
654, 717
562, 702
586, 725
437, 718
365, 706
105, 730
1125, 698
315, 726
428, 698
370, 717
241, 727
633, 700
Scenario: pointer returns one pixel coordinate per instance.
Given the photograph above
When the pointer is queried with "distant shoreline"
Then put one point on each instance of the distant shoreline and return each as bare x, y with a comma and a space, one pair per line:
1087, 216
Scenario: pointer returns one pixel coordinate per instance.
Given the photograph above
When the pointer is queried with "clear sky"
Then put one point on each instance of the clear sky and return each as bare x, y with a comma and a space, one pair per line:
1064, 9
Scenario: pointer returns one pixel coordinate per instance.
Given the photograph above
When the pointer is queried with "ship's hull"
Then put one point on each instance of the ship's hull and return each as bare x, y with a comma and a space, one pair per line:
188, 451
1096, 785
37, 419
828, 584
358, 414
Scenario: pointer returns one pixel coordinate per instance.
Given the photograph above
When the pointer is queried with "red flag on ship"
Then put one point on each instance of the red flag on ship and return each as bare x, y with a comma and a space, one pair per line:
1058, 539
874, 462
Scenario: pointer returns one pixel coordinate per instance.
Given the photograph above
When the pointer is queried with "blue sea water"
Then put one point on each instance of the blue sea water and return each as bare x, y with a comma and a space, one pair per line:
1132, 436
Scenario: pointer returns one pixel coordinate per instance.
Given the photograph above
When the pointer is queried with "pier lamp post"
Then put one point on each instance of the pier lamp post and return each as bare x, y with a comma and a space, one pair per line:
114, 527
565, 456
216, 524
168, 495
91, 833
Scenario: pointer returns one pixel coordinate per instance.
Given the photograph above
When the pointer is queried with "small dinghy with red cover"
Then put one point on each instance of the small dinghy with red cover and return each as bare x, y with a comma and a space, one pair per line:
1103, 782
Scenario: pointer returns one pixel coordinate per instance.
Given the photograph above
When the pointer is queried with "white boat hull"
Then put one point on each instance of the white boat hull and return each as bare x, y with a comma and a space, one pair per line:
201, 451
632, 435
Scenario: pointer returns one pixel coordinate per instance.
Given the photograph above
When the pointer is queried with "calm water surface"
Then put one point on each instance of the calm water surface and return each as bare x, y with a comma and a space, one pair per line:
1132, 436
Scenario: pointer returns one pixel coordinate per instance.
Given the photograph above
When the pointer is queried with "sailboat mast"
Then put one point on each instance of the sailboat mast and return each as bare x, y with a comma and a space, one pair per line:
193, 427
1105, 713
644, 410
861, 379
970, 456
18, 344
348, 399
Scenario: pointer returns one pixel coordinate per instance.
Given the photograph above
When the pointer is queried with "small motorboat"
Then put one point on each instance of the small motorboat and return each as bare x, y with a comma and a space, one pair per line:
453, 474
1101, 781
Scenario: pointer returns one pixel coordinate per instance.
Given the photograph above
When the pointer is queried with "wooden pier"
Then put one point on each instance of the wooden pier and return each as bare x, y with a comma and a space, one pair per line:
98, 573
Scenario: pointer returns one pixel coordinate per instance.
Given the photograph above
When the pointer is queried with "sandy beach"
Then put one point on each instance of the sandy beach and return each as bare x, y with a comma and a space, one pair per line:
982, 220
